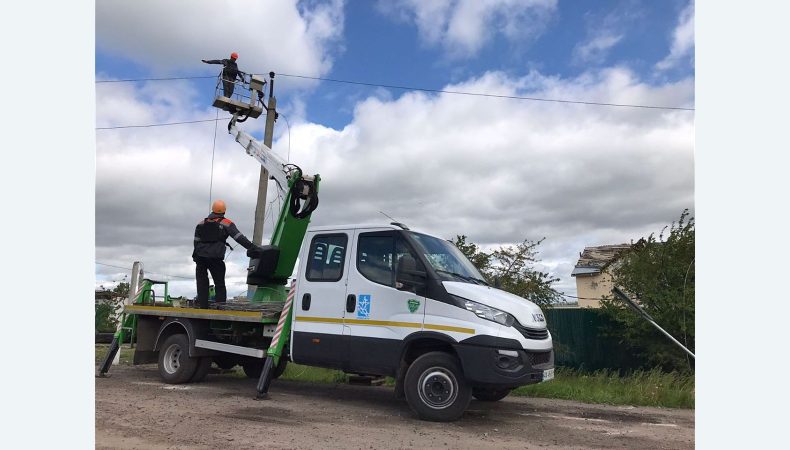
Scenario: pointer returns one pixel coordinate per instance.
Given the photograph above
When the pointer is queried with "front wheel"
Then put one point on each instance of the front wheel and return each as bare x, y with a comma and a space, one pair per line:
435, 387
489, 394
175, 364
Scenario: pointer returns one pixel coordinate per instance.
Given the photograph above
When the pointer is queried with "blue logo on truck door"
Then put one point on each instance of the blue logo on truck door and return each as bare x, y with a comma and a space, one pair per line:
363, 306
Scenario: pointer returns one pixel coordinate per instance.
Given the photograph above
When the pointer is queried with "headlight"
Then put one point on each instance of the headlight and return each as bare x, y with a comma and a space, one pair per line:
487, 312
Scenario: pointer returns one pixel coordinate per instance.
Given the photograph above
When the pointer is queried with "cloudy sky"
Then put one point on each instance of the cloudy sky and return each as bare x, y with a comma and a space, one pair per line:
497, 170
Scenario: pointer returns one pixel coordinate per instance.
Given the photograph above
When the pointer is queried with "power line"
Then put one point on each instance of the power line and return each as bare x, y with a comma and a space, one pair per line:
129, 268
438, 91
579, 298
480, 94
158, 124
289, 137
213, 147
129, 80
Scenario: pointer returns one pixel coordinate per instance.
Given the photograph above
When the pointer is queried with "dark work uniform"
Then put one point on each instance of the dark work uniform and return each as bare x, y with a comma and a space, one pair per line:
209, 253
230, 71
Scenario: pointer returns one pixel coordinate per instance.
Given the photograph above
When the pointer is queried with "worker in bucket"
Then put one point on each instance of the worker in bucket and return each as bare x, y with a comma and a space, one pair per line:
230, 71
209, 254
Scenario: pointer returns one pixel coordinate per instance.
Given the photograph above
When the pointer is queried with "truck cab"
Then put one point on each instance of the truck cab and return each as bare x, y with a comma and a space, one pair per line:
385, 300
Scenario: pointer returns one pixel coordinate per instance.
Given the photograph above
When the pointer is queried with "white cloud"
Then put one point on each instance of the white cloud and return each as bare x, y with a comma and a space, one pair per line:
463, 27
596, 49
604, 29
172, 35
496, 170
682, 40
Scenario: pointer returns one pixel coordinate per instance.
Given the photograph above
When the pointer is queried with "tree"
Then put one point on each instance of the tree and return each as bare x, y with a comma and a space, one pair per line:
511, 269
659, 274
106, 312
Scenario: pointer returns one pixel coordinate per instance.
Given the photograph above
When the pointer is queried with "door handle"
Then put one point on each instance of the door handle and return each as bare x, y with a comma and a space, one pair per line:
306, 302
351, 303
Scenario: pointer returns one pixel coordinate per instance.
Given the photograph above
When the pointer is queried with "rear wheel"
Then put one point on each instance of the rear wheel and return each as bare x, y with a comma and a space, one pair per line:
252, 367
225, 361
490, 394
435, 387
280, 369
202, 369
175, 364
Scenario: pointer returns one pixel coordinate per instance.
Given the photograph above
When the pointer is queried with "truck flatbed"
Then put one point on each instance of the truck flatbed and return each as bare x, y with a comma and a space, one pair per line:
236, 312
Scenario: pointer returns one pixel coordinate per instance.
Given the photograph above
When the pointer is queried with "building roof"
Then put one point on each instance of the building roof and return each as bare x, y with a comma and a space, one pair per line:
594, 259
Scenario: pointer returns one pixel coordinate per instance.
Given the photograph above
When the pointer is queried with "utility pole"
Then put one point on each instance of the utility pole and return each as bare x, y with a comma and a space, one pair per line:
263, 181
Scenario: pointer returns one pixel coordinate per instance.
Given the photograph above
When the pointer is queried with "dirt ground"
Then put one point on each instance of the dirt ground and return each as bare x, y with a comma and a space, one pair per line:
135, 410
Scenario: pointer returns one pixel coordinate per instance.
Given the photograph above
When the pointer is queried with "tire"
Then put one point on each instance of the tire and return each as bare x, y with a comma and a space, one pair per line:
252, 367
436, 389
175, 364
203, 367
280, 369
490, 394
226, 361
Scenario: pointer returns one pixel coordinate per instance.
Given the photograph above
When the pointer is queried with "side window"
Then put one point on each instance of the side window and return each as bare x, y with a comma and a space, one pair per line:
326, 257
378, 257
374, 258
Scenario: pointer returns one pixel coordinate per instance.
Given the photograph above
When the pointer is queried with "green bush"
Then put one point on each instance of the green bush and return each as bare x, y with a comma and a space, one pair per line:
105, 319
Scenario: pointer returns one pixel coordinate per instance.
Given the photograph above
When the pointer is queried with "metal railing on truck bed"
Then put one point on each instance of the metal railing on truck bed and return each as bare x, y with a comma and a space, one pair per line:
238, 312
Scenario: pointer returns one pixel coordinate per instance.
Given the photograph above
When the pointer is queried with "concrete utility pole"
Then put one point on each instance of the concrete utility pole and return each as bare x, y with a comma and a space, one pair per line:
263, 181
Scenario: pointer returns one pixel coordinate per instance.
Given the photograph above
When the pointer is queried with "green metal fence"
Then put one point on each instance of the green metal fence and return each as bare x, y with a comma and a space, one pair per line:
580, 341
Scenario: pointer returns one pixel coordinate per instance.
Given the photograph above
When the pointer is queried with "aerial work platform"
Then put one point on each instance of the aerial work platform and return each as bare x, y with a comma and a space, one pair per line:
246, 98
232, 106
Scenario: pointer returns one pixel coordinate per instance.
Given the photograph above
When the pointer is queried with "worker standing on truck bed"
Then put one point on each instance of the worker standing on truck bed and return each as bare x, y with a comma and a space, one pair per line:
230, 71
210, 236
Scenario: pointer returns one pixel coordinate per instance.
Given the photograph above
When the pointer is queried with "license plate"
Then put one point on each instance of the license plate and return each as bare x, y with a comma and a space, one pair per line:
548, 374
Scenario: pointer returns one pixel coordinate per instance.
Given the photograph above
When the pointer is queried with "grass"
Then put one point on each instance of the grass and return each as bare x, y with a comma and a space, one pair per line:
641, 388
297, 372
126, 353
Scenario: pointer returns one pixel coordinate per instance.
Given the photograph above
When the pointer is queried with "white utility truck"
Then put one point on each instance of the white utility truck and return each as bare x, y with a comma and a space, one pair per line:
385, 300
367, 299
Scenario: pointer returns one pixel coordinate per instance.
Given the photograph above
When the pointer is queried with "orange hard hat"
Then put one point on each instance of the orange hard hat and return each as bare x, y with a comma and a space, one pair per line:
234, 55
218, 207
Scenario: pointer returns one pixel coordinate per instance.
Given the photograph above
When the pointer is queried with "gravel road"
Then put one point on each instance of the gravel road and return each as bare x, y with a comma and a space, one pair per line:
135, 410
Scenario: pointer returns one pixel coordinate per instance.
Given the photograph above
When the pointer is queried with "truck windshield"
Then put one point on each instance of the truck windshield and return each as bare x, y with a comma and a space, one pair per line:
447, 261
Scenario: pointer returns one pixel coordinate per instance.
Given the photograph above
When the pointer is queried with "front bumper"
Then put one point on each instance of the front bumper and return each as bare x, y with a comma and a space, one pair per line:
503, 367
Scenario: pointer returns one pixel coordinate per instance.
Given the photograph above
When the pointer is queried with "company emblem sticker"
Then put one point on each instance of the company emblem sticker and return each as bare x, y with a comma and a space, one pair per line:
413, 304
363, 306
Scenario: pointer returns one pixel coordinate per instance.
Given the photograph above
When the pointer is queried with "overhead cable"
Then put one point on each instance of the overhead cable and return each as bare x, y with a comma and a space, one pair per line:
158, 124
481, 94
438, 91
153, 273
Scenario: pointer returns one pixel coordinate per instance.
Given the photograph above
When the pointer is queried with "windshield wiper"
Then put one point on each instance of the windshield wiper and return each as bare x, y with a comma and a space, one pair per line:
463, 277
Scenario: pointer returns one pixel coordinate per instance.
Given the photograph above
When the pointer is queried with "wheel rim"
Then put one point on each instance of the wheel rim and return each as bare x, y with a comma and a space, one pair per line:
437, 388
172, 359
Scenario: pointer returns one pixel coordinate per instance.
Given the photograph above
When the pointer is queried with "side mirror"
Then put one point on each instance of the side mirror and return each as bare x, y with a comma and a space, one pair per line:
409, 277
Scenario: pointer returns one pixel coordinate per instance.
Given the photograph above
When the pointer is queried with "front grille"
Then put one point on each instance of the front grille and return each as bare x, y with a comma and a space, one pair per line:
532, 333
538, 358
